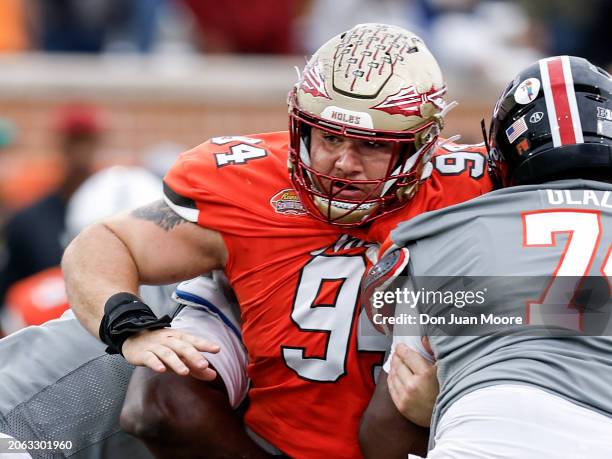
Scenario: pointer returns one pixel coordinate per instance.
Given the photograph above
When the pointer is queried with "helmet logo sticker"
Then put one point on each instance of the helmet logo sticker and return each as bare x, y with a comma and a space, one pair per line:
522, 146
408, 101
313, 83
527, 91
518, 127
536, 117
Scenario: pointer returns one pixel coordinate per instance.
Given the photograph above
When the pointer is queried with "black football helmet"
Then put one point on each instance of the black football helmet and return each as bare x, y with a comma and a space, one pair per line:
553, 121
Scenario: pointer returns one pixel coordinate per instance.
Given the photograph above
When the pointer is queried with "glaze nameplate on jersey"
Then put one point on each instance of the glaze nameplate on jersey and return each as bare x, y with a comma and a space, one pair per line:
579, 198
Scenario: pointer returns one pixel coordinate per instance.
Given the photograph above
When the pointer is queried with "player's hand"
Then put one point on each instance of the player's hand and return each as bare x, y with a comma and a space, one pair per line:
413, 385
170, 349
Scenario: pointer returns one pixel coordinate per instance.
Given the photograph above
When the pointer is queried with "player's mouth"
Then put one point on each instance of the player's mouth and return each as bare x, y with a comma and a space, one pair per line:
342, 190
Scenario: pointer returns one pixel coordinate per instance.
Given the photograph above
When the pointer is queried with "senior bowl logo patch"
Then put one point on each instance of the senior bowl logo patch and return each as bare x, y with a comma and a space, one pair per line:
287, 202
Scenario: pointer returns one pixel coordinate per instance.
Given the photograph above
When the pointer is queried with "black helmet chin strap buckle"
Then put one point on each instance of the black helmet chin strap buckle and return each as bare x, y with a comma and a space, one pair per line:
483, 127
491, 169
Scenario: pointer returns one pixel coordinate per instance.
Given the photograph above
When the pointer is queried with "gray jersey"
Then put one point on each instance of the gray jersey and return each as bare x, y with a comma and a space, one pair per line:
58, 383
529, 232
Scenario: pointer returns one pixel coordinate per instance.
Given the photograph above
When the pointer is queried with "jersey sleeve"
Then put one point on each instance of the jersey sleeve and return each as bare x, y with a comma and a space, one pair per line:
413, 342
223, 183
179, 193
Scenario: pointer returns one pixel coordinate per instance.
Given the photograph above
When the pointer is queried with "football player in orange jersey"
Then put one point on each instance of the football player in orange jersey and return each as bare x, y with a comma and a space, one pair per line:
365, 118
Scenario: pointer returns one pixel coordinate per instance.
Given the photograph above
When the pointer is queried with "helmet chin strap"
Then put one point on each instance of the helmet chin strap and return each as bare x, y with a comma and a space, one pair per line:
406, 167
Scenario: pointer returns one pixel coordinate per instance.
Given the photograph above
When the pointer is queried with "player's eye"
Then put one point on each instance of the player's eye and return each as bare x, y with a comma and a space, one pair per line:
378, 146
331, 138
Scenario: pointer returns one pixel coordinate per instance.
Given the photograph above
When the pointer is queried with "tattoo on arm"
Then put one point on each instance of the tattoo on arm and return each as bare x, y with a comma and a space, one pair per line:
160, 214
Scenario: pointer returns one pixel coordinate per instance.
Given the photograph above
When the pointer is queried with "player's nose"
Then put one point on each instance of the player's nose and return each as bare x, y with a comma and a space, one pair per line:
348, 161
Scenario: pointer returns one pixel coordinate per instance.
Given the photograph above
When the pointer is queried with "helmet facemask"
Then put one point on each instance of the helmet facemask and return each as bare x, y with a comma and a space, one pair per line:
319, 191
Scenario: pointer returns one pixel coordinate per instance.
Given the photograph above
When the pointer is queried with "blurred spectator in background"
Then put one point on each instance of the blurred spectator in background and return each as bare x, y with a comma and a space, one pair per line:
7, 132
32, 236
578, 28
42, 296
160, 157
327, 19
94, 26
481, 41
254, 27
7, 136
485, 40
76, 25
13, 30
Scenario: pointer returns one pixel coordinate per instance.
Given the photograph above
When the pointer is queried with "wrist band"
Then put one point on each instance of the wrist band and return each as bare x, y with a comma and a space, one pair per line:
125, 315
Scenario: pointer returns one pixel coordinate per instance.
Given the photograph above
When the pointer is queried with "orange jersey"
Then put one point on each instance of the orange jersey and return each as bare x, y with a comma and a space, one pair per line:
297, 280
456, 173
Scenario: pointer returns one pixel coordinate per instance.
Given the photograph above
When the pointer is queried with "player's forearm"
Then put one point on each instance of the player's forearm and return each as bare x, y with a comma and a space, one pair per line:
385, 432
391, 436
96, 265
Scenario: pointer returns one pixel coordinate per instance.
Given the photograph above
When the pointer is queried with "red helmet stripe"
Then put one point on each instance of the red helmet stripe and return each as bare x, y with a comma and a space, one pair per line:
563, 116
571, 98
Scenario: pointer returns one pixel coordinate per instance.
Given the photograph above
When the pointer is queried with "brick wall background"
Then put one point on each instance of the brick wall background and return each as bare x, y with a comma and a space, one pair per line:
148, 101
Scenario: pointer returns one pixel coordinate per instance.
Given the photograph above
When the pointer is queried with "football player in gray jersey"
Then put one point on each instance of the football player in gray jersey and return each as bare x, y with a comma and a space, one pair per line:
59, 388
524, 368
61, 394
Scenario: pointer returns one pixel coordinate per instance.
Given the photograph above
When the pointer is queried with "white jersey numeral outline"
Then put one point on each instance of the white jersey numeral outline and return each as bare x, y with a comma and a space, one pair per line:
585, 230
459, 162
334, 319
240, 154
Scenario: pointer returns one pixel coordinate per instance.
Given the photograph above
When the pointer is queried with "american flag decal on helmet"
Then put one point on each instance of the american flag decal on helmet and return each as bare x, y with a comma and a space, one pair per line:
313, 83
408, 101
